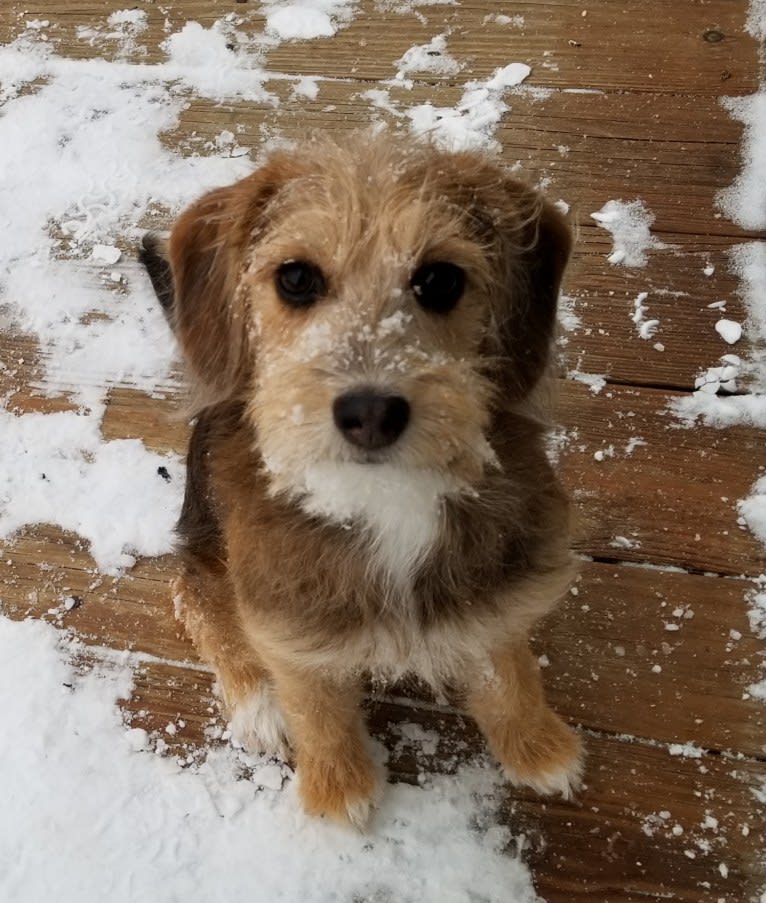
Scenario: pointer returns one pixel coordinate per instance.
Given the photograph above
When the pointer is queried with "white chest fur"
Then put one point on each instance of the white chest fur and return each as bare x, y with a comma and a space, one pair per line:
400, 509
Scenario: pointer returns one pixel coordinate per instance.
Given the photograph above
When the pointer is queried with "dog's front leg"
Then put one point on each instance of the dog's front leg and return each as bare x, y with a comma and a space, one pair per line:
533, 744
336, 776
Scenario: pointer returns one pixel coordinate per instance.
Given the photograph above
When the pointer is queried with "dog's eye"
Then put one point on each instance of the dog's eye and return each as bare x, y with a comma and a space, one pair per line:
438, 286
299, 283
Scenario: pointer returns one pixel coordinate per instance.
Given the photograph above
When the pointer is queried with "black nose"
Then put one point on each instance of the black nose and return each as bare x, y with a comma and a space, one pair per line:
371, 420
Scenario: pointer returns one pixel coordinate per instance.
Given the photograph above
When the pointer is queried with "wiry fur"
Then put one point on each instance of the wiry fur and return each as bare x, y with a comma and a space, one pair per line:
310, 562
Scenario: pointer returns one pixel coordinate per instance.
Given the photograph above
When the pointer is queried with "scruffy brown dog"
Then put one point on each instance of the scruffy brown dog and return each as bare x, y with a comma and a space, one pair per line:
368, 324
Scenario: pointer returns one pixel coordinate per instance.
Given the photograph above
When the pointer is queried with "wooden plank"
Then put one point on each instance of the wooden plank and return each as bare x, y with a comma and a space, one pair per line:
45, 566
675, 498
606, 341
603, 645
632, 470
162, 424
647, 825
585, 148
648, 46
657, 654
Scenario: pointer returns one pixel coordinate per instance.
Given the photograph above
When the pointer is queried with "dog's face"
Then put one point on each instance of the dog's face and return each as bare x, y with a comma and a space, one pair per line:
374, 305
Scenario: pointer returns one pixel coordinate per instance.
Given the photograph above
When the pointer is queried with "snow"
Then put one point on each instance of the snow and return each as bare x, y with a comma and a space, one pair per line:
744, 202
431, 57
747, 261
124, 27
729, 330
509, 76
753, 510
629, 224
594, 381
646, 328
57, 469
307, 19
106, 253
472, 122
113, 820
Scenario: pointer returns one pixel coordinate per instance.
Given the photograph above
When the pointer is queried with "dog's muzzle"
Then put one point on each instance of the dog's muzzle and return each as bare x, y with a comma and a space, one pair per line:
369, 419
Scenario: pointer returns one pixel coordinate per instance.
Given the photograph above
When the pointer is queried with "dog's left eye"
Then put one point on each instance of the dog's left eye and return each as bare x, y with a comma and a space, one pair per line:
299, 283
438, 286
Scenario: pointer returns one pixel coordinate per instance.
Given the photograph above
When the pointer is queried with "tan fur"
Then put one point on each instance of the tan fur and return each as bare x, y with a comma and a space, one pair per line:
311, 562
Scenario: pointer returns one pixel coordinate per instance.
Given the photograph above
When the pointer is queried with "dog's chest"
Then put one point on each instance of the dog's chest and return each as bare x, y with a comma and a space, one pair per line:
398, 513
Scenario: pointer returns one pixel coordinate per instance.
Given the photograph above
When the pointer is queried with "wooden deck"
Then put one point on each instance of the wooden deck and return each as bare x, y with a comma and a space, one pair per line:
651, 824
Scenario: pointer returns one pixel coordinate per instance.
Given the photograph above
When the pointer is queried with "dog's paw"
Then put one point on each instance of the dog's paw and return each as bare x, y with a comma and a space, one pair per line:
258, 724
345, 787
547, 757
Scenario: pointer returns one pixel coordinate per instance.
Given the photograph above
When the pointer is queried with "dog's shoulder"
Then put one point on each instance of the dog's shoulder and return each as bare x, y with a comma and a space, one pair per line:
511, 528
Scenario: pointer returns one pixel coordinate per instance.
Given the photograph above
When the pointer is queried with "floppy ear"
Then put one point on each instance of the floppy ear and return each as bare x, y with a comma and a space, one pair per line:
528, 243
204, 254
153, 255
534, 266
207, 251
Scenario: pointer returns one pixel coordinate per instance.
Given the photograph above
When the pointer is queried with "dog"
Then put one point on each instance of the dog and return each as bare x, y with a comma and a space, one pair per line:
368, 326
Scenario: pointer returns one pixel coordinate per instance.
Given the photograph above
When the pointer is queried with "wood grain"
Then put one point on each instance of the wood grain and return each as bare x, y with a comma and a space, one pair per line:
673, 499
638, 145
648, 46
653, 647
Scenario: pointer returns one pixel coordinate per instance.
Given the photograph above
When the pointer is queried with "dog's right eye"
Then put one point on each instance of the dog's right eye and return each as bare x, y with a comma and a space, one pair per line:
438, 286
299, 283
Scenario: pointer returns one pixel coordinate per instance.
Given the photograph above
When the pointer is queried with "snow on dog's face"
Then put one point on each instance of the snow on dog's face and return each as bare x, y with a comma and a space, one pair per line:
373, 304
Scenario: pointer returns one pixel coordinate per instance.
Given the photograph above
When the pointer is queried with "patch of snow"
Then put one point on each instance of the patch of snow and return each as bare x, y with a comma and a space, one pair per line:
756, 19
90, 813
748, 262
106, 254
686, 750
729, 330
502, 19
432, 57
744, 202
306, 87
713, 410
122, 26
633, 443
57, 469
568, 319
56, 213
753, 510
629, 224
508, 76
646, 328
623, 542
307, 19
758, 690
602, 453
593, 381
471, 123
716, 378
757, 608
202, 60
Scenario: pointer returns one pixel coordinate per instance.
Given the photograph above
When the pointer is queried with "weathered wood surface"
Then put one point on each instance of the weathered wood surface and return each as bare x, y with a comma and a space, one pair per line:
615, 663
648, 47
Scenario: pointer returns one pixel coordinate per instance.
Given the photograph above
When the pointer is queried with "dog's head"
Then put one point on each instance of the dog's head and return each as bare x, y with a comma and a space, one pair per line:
374, 303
